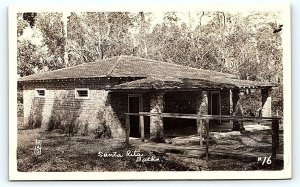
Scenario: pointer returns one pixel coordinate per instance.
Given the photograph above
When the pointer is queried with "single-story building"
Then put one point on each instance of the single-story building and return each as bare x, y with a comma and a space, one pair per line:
102, 92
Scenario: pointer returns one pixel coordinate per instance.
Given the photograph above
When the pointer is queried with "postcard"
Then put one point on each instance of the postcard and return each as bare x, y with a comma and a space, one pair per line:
140, 92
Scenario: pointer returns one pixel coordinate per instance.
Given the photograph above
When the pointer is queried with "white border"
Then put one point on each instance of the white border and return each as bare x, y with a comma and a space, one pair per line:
286, 33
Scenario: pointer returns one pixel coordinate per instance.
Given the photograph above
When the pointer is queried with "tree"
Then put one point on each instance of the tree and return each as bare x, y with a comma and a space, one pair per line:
98, 35
40, 43
32, 51
51, 26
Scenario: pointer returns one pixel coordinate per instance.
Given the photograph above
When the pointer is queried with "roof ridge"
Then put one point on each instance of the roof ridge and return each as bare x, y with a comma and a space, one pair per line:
114, 66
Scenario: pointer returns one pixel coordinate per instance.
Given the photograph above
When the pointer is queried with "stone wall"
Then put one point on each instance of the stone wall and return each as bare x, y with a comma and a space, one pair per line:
156, 121
119, 106
60, 102
266, 103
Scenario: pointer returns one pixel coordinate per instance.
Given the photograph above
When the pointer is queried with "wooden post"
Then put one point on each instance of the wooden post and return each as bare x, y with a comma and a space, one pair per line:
275, 141
127, 129
207, 140
142, 127
200, 127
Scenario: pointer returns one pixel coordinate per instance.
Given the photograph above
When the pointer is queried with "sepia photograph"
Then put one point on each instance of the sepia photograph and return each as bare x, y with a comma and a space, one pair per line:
124, 93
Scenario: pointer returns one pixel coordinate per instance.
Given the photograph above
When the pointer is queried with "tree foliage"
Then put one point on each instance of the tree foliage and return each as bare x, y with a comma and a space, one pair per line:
40, 43
234, 43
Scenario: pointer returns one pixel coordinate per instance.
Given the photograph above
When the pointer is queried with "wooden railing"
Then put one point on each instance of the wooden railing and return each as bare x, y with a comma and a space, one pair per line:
204, 121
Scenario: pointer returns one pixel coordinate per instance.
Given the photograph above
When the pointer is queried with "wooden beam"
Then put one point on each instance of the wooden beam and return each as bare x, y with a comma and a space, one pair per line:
211, 117
127, 129
275, 141
207, 141
142, 126
200, 128
166, 89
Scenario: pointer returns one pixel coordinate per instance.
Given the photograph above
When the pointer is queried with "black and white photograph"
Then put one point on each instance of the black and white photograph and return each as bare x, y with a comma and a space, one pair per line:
197, 93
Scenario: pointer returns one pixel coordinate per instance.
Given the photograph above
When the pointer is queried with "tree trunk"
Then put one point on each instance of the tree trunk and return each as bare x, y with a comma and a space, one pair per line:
200, 20
65, 33
143, 32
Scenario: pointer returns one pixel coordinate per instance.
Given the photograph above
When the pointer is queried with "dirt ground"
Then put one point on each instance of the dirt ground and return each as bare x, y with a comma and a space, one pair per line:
83, 153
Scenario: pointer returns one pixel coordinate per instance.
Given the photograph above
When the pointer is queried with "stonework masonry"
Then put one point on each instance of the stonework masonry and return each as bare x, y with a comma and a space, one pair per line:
266, 103
156, 121
60, 101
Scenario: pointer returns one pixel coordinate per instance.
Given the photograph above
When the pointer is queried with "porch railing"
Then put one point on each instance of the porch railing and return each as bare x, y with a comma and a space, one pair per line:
204, 122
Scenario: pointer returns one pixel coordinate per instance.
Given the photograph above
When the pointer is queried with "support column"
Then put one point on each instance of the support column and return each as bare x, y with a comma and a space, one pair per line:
202, 109
127, 129
236, 109
266, 110
234, 98
142, 127
156, 121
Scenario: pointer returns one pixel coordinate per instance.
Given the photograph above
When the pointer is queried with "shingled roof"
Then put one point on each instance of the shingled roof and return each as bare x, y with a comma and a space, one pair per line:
151, 74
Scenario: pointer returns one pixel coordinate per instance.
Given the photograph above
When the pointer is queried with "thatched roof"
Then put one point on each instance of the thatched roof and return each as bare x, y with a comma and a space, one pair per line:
150, 74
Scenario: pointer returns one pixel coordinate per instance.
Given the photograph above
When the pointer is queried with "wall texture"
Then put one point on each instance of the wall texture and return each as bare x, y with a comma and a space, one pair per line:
60, 102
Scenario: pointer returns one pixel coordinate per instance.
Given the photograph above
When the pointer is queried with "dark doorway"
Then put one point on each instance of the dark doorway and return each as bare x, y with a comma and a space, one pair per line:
134, 107
215, 106
180, 102
215, 103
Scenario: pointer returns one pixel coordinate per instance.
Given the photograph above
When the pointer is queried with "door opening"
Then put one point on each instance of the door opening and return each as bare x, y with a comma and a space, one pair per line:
134, 106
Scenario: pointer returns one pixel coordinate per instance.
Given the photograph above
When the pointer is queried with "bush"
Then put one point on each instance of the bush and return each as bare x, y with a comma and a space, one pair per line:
34, 122
63, 121
277, 101
54, 122
70, 127
86, 129
35, 118
102, 132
